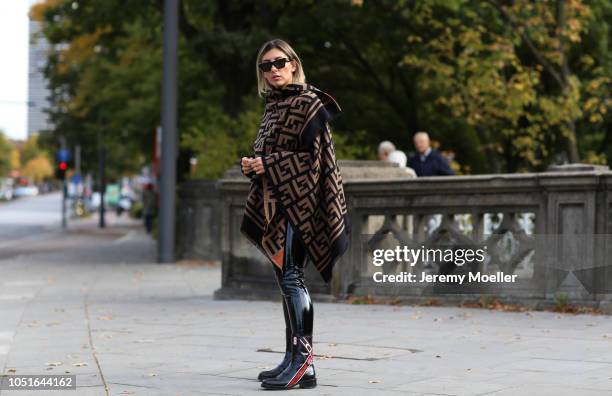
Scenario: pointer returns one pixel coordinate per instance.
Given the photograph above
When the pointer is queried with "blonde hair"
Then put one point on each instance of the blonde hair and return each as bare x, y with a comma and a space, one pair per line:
298, 76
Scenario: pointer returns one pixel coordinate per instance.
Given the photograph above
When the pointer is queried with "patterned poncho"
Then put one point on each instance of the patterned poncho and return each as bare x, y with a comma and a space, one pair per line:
301, 182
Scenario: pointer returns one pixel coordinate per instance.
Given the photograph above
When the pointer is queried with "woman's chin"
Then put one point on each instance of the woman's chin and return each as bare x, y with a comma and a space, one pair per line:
278, 83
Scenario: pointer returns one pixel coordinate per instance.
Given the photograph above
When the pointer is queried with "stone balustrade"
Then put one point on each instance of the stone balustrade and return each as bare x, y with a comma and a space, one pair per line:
549, 231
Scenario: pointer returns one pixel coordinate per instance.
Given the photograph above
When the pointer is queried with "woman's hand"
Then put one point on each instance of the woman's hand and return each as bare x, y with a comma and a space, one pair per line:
246, 165
257, 165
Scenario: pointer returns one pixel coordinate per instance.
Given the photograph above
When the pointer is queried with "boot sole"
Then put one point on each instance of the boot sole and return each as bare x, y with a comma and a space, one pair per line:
311, 383
308, 384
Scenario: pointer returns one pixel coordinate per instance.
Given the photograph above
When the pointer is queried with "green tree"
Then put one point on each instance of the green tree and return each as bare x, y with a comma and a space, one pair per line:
5, 155
104, 72
38, 168
506, 85
30, 149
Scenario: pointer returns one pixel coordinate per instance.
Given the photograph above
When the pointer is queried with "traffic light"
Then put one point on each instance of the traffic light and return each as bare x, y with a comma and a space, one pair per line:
61, 163
60, 170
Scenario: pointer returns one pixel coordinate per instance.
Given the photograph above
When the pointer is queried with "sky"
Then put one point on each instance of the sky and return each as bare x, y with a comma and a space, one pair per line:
14, 67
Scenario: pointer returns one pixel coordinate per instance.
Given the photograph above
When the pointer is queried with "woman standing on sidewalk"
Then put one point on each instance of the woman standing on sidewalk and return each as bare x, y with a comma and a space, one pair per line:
296, 208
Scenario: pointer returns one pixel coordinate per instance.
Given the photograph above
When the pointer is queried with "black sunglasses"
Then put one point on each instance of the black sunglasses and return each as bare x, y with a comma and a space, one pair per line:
278, 63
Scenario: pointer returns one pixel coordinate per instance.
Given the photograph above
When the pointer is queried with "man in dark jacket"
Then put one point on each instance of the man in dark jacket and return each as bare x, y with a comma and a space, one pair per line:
428, 161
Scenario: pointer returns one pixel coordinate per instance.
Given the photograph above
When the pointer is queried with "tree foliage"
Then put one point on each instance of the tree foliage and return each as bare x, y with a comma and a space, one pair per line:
27, 158
38, 168
5, 155
504, 85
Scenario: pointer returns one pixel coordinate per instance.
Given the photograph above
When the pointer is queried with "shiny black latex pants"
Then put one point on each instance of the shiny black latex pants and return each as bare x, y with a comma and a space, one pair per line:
291, 282
299, 370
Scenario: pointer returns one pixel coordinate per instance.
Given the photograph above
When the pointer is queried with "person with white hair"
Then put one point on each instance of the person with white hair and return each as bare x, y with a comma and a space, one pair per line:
384, 149
428, 161
400, 158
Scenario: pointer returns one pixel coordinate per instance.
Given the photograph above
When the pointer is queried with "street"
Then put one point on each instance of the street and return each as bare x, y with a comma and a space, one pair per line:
94, 303
29, 217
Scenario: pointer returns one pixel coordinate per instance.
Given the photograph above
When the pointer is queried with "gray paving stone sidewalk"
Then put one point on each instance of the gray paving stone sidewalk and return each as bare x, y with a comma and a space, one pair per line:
93, 303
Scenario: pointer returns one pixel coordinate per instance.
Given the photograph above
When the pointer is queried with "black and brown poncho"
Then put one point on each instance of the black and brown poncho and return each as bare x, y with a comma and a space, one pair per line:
301, 182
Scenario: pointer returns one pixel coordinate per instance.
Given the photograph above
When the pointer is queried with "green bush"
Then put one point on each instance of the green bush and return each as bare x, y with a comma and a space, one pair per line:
136, 210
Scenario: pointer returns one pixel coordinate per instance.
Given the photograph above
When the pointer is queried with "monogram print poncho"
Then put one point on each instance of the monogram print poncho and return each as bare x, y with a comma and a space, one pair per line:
301, 182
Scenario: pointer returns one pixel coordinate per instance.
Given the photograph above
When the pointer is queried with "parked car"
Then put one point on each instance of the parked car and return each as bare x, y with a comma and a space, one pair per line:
26, 191
6, 193
6, 189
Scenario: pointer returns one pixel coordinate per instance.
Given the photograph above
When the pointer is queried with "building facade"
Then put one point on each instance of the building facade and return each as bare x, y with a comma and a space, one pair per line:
38, 93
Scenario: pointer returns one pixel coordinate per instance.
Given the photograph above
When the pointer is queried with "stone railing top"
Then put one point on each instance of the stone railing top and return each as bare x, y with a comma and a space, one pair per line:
350, 169
380, 178
578, 168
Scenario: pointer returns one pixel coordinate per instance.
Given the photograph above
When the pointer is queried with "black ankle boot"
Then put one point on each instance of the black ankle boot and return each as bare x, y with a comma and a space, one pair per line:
300, 372
286, 360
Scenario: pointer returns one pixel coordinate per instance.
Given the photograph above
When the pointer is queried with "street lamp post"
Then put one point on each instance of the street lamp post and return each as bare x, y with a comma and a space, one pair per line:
169, 139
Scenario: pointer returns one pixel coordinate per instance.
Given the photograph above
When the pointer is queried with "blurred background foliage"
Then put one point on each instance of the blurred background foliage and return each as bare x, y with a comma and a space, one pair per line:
503, 86
26, 159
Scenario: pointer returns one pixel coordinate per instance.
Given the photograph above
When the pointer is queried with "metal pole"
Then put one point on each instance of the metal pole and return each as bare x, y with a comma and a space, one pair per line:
77, 159
169, 139
64, 194
102, 183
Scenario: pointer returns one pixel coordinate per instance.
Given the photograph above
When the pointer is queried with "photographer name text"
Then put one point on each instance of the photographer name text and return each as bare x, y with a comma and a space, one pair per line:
459, 257
407, 277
